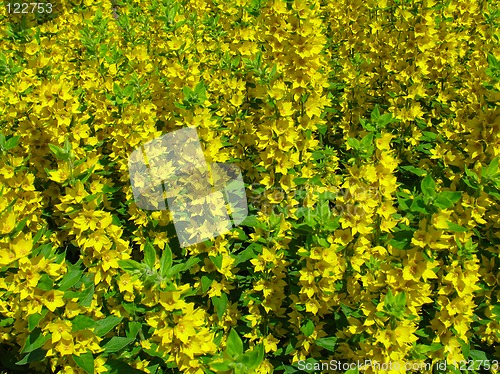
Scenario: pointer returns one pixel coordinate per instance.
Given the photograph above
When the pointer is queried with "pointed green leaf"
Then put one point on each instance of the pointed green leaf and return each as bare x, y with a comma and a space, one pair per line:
217, 260
85, 361
428, 186
327, 343
375, 114
105, 325
149, 255
12, 142
206, 282
166, 261
220, 304
116, 343
133, 329
308, 328
70, 279
455, 227
35, 340
34, 356
82, 322
234, 344
34, 319
446, 199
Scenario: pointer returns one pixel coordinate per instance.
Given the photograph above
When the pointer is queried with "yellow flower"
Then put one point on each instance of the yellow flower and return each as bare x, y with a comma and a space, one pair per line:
8, 223
61, 329
285, 108
126, 283
270, 343
184, 331
171, 300
109, 260
53, 299
65, 347
21, 246
453, 351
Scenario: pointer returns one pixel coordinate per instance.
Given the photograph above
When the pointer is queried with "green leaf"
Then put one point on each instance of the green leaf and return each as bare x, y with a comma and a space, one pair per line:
6, 322
251, 221
353, 143
59, 152
117, 90
389, 297
491, 171
200, 89
82, 322
45, 283
38, 235
116, 343
35, 340
220, 366
234, 344
455, 227
87, 296
105, 325
375, 114
174, 270
322, 129
132, 266
70, 279
367, 125
300, 181
465, 348
206, 282
12, 143
247, 254
384, 120
252, 359
34, 356
400, 299
220, 304
419, 206
217, 260
85, 361
133, 329
366, 141
478, 355
308, 328
496, 313
327, 343
149, 255
471, 174
34, 319
414, 170
428, 186
402, 239
19, 227
166, 261
128, 91
428, 136
120, 367
446, 199
132, 308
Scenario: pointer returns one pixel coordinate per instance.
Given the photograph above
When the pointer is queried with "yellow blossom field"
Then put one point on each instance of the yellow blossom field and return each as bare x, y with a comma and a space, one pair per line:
367, 134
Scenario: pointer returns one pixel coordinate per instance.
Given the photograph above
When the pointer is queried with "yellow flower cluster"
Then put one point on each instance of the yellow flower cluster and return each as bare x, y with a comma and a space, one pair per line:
368, 137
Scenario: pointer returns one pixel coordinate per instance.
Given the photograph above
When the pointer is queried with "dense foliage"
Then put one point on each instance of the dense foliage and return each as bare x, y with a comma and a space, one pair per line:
368, 133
